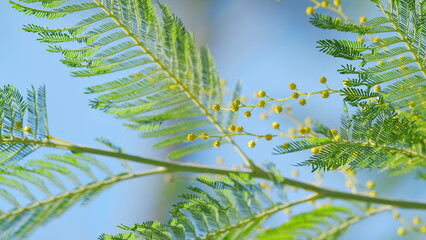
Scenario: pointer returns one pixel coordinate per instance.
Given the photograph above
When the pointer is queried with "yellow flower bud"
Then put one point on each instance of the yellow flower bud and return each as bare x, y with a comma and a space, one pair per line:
377, 88
292, 130
349, 184
337, 138
261, 93
396, 215
247, 114
216, 144
216, 107
423, 229
380, 63
295, 95
231, 128
27, 129
376, 39
287, 211
401, 231
263, 116
372, 194
292, 86
337, 3
268, 137
275, 125
361, 40
191, 137
416, 221
325, 4
370, 184
325, 94
362, 19
236, 102
261, 104
310, 10
308, 121
295, 173
315, 150
235, 108
251, 144
334, 132
239, 129
222, 82
323, 79
220, 160
337, 20
18, 125
278, 109
204, 136
286, 145
346, 83
302, 102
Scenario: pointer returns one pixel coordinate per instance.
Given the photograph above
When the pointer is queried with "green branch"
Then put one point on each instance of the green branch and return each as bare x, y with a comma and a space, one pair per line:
173, 166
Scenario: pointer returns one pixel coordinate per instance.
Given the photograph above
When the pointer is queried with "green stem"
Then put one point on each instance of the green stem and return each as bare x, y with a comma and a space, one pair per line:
174, 166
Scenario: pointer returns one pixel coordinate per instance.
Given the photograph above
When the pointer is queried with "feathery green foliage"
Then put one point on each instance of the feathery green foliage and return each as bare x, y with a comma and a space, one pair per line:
174, 84
23, 123
235, 209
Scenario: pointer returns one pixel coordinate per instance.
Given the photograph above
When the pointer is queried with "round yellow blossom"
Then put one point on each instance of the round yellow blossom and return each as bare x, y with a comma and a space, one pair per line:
362, 19
27, 129
268, 137
308, 121
346, 83
216, 144
261, 104
251, 144
337, 3
334, 132
377, 88
423, 229
287, 211
315, 150
370, 184
360, 40
286, 145
236, 102
349, 184
292, 86
276, 125
220, 160
411, 105
401, 231
376, 39
337, 19
191, 137
325, 94
261, 93
295, 173
278, 109
325, 4
216, 107
231, 128
401, 58
288, 108
323, 79
263, 116
247, 114
235, 108
416, 221
310, 10
204, 136
302, 102
304, 130
396, 215
292, 130
222, 82
295, 95
18, 125
239, 129
380, 63
337, 138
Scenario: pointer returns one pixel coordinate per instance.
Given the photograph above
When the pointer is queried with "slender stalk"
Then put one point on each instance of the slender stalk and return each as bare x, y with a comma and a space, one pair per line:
173, 166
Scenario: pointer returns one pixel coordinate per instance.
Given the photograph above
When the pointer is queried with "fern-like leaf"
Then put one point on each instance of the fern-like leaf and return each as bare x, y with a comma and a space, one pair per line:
174, 84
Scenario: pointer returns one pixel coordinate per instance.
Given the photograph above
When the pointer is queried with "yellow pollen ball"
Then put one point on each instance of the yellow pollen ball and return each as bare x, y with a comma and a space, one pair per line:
416, 220
268, 137
239, 129
362, 19
361, 40
401, 231
323, 79
261, 93
27, 129
310, 10
251, 144
370, 184
278, 109
247, 114
325, 94
337, 3
292, 86
423, 229
334, 132
372, 194
377, 88
263, 116
295, 95
275, 125
349, 183
396, 215
204, 136
222, 82
295, 173
216, 144
191, 137
261, 104
286, 145
376, 39
325, 4
308, 121
292, 130
315, 150
346, 83
302, 102
231, 128
235, 108
216, 107
337, 19
236, 102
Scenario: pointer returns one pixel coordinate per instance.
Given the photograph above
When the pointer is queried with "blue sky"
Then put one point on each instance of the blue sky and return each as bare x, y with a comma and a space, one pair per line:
264, 44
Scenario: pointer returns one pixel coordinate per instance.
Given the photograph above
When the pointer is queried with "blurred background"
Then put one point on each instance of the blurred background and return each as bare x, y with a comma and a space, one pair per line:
265, 44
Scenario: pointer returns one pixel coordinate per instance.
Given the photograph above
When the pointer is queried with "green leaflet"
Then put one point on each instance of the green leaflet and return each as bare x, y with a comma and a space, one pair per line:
170, 72
23, 123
